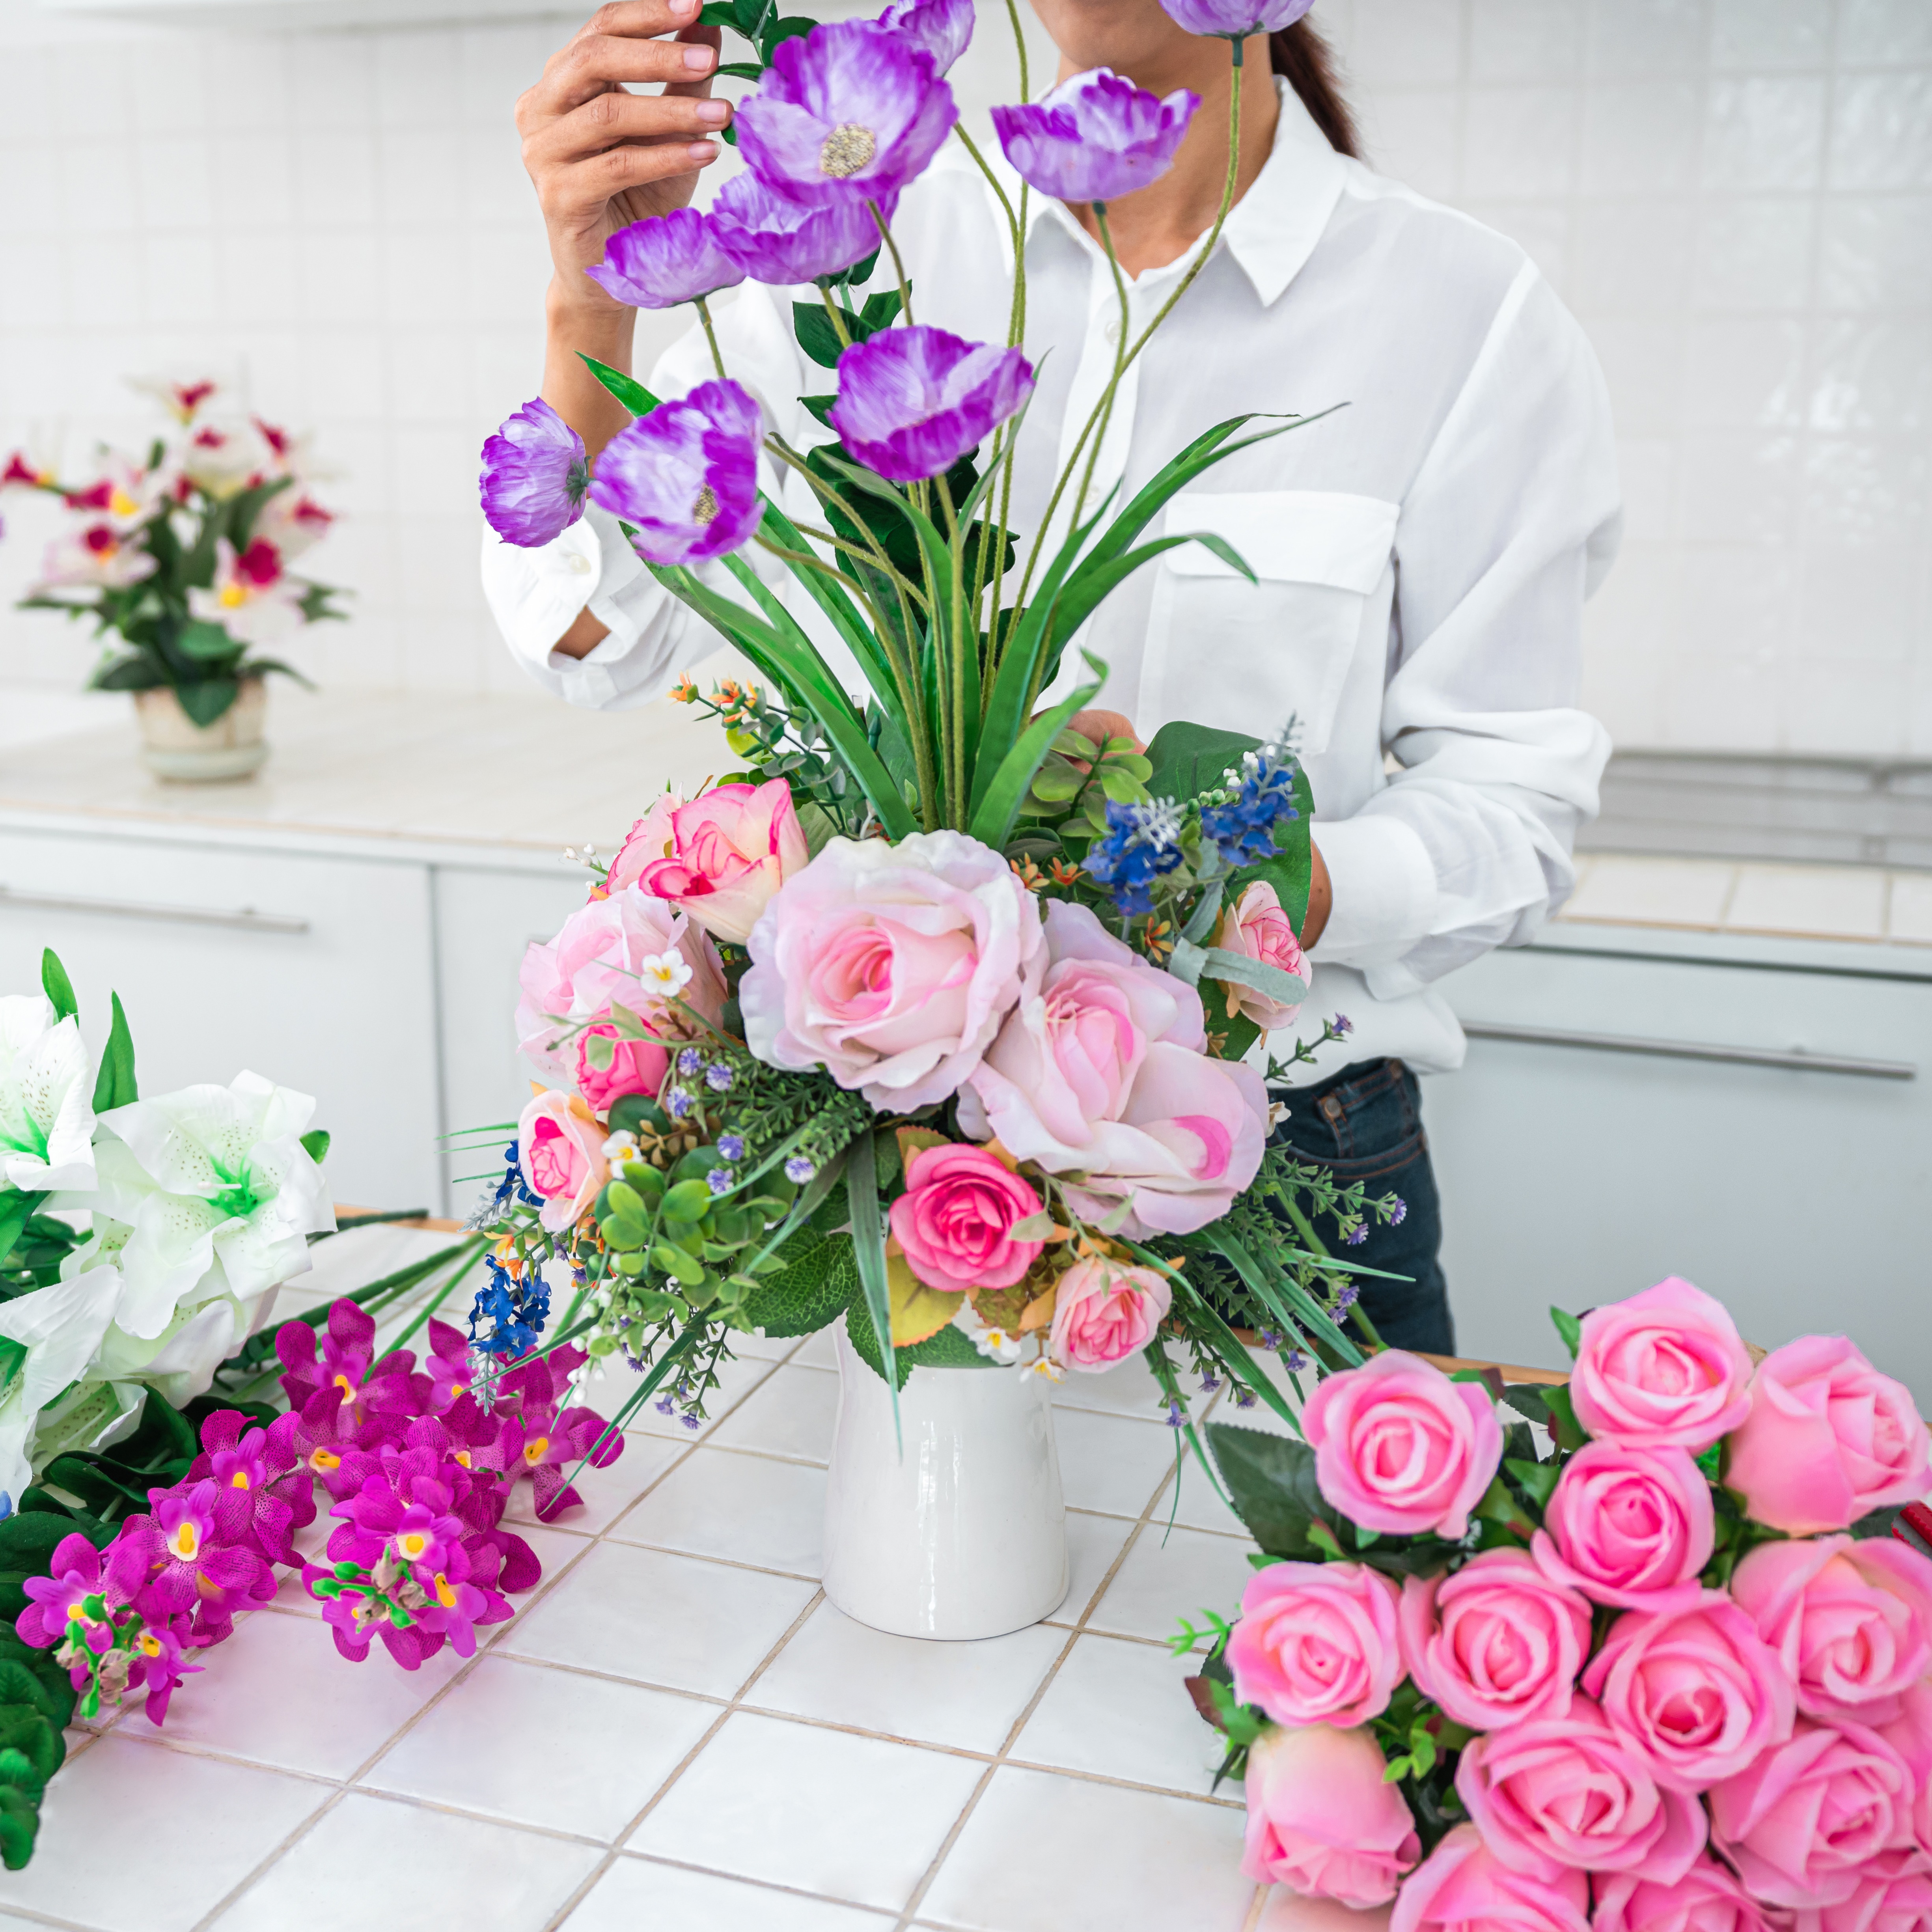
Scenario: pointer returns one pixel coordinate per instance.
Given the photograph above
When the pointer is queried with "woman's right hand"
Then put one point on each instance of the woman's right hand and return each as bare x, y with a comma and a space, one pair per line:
602, 158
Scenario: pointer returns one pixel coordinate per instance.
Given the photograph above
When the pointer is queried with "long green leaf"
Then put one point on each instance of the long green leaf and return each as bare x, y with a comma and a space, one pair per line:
1234, 1350
1288, 1301
631, 394
16, 1210
114, 1086
868, 1249
993, 818
58, 988
938, 554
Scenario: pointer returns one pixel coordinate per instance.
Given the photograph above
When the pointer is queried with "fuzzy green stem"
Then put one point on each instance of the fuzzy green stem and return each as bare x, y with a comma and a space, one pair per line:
885, 228
711, 336
1120, 358
837, 314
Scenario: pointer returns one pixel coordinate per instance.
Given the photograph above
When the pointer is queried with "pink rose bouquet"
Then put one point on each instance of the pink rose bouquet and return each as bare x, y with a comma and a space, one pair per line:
1611, 1694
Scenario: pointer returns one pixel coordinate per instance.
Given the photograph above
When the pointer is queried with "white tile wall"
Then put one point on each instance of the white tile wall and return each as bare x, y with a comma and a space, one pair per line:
1735, 196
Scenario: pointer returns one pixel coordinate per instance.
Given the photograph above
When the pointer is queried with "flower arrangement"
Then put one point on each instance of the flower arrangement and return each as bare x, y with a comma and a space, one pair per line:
183, 556
131, 1372
1675, 1672
939, 1015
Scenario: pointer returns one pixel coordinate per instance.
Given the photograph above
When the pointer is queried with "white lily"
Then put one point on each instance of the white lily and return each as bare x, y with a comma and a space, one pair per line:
218, 1193
46, 1113
48, 1340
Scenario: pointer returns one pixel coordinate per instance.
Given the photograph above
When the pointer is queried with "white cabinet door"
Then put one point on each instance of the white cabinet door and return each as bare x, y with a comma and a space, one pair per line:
314, 972
1577, 1176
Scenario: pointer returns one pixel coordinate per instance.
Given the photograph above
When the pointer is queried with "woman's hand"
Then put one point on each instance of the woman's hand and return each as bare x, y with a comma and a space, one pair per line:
602, 158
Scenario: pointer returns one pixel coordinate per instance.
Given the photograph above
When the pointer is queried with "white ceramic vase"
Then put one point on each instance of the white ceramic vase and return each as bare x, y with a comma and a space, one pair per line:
965, 1535
174, 746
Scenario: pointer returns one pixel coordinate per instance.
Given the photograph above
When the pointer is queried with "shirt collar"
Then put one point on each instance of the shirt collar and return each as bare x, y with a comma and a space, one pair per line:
1271, 231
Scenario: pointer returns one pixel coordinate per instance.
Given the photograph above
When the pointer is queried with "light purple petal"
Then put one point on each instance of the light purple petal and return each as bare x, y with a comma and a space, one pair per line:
534, 473
942, 27
783, 242
686, 475
1230, 17
665, 260
912, 401
1095, 137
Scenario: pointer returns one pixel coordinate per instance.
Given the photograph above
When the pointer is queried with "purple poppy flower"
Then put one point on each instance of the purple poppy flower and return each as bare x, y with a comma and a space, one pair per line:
687, 475
534, 474
783, 242
1095, 137
912, 401
942, 27
851, 112
664, 260
1233, 19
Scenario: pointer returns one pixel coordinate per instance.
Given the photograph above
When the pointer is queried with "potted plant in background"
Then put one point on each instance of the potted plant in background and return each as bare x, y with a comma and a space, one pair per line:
182, 561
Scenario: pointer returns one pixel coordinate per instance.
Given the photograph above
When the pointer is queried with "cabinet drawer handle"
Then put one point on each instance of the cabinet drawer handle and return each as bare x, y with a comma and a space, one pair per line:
246, 920
1685, 1049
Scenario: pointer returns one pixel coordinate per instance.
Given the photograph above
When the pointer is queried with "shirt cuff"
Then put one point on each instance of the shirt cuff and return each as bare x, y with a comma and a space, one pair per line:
1384, 888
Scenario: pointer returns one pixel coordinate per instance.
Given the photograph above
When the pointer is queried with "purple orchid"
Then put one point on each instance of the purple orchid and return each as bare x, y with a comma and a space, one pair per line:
912, 401
266, 1491
687, 475
176, 1559
663, 260
159, 1651
534, 474
943, 27
554, 1439
359, 1609
852, 112
447, 1365
783, 242
1095, 137
58, 1600
1235, 20
460, 1598
342, 1356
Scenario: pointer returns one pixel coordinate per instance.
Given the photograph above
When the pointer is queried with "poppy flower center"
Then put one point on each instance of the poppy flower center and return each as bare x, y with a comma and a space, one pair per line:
847, 149
704, 505
533, 1450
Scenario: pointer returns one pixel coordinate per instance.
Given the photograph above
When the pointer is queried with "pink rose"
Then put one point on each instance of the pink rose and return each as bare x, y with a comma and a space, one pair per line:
1317, 1643
1707, 1898
1570, 1791
1910, 1734
1851, 1619
1102, 1071
1666, 1369
561, 1148
1827, 1440
1495, 1643
1886, 1902
649, 838
635, 1067
1103, 1312
891, 966
731, 848
1697, 1691
1803, 1823
594, 963
1256, 927
955, 1219
1464, 1887
1321, 1819
1399, 1447
1630, 1527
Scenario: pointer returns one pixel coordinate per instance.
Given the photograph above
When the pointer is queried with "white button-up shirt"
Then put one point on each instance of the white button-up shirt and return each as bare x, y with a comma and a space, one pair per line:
1424, 553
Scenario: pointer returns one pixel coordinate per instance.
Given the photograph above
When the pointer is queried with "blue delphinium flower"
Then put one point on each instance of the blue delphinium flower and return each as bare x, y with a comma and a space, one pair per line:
1241, 829
514, 1311
1142, 843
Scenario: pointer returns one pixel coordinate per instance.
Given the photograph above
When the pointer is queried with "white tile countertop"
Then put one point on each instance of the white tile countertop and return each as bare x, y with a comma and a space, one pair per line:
676, 1729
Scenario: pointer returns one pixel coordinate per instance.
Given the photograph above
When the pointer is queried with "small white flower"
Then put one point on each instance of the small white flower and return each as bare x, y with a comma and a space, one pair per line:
664, 975
996, 1344
1047, 1369
621, 1146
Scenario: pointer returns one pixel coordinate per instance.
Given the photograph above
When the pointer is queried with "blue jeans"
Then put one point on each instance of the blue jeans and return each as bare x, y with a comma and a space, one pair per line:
1365, 1124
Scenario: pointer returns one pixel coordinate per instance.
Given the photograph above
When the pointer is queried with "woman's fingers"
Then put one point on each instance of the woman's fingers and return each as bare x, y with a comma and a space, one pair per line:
594, 63
589, 184
610, 119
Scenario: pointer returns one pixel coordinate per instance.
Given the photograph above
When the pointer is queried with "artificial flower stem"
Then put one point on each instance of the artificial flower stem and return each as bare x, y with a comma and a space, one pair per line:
1356, 1312
1019, 42
1120, 359
899, 265
442, 1294
979, 161
958, 644
837, 314
704, 308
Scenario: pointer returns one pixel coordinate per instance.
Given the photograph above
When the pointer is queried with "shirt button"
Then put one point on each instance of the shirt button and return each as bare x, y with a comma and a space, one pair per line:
579, 563
1112, 330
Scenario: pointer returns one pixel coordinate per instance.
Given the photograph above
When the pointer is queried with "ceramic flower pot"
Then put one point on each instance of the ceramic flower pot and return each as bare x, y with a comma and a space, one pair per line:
964, 1536
174, 746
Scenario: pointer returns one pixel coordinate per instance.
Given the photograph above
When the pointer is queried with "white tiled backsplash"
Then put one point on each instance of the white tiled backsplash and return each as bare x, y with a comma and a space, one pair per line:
1735, 196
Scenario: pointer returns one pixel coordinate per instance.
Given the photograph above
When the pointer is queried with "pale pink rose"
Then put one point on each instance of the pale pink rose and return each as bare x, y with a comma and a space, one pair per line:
1665, 1369
1570, 1791
1885, 1902
1463, 1887
1707, 1898
1400, 1448
1317, 1643
1852, 1620
1630, 1527
561, 1148
955, 1219
891, 966
1827, 1440
1697, 1691
1321, 1819
1805, 1822
1910, 1734
593, 964
1102, 1072
1103, 1312
1256, 927
649, 839
1495, 1643
635, 1067
731, 848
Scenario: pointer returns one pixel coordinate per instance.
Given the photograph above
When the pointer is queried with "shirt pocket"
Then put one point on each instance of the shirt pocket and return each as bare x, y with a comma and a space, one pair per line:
1247, 657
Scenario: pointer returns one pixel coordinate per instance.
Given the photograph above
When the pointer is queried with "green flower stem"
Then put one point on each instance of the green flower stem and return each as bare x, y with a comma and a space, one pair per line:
957, 647
886, 235
1120, 358
837, 314
442, 1294
1306, 1231
710, 335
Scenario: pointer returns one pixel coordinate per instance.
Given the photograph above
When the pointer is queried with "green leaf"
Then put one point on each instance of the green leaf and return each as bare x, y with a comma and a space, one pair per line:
138, 672
816, 335
631, 394
206, 700
865, 1340
315, 1144
58, 988
115, 1085
1526, 1399
19, 1685
25, 1731
868, 1243
208, 643
29, 1538
1233, 1352
997, 808
948, 1348
1538, 1480
1877, 1522
1567, 1431
19, 1821
821, 1277
1290, 1303
1190, 759
1271, 1480
819, 408
1570, 1328
880, 310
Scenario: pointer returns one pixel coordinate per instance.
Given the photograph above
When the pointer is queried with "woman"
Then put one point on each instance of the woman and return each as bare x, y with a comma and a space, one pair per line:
1423, 554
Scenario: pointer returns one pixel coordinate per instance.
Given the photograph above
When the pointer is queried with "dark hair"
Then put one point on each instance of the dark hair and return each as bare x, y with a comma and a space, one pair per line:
1307, 62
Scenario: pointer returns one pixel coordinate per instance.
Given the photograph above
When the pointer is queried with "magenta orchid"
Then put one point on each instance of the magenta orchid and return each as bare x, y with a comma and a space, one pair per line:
265, 1492
159, 1651
185, 1563
460, 1598
554, 1439
344, 1356
58, 1600
447, 1366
